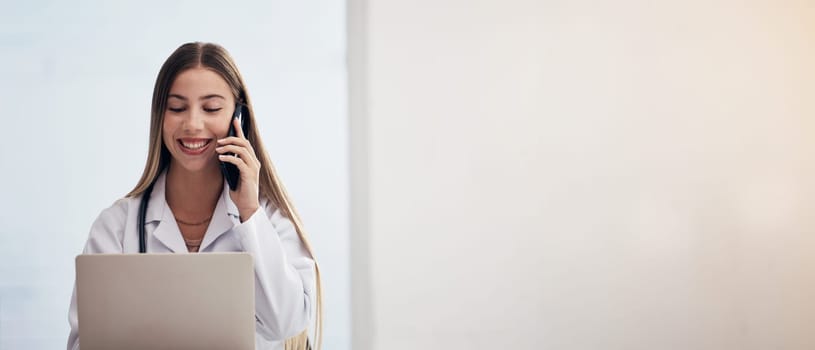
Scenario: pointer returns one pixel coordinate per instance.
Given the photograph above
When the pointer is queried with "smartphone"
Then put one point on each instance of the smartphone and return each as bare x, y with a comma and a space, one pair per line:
230, 171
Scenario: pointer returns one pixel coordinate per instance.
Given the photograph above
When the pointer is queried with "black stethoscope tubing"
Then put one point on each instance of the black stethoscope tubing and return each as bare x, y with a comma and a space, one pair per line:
142, 213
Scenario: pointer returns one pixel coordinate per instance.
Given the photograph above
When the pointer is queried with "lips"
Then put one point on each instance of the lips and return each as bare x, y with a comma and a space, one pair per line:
193, 146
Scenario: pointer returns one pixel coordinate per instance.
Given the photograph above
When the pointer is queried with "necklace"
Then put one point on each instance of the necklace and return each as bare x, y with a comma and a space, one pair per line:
193, 244
193, 223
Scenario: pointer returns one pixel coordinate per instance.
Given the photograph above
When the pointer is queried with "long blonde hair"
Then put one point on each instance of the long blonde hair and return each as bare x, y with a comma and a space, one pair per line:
216, 58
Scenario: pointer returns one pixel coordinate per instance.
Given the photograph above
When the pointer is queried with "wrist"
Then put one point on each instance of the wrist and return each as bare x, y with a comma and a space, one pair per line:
246, 213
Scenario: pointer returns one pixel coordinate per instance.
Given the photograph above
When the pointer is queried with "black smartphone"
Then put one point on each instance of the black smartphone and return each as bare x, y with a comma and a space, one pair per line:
231, 172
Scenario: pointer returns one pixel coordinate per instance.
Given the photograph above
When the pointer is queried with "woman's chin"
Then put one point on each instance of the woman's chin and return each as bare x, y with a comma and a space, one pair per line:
195, 166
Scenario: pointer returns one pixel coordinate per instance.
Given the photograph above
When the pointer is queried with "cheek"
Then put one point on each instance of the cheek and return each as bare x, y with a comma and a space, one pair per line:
220, 126
167, 129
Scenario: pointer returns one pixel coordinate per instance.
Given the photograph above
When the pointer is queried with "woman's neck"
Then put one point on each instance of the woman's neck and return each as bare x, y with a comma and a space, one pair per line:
192, 195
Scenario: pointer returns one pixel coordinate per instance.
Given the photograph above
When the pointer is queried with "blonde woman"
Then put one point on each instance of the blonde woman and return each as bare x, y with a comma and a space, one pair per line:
189, 207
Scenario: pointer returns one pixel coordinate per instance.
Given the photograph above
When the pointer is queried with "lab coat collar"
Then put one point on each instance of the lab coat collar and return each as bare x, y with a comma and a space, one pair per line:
155, 208
224, 217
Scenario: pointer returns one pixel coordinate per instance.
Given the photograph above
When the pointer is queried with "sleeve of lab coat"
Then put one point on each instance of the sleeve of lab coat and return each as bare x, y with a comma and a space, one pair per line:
105, 237
284, 273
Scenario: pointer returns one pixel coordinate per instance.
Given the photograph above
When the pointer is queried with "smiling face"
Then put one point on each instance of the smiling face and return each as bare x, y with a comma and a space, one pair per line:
199, 111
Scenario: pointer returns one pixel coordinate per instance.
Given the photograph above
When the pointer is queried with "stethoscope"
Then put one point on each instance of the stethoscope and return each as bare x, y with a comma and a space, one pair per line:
142, 213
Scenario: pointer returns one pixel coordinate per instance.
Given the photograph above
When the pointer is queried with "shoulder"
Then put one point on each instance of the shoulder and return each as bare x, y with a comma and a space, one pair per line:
278, 219
271, 210
268, 206
107, 231
118, 210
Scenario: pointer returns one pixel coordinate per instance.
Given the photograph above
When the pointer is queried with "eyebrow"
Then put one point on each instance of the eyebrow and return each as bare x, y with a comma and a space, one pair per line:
206, 97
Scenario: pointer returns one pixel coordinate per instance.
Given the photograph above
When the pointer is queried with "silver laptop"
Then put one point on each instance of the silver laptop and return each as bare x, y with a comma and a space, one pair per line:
166, 301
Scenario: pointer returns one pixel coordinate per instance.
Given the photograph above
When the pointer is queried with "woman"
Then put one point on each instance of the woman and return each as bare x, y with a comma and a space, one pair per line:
191, 209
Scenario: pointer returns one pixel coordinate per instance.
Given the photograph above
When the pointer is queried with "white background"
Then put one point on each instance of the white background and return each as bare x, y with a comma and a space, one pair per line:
583, 174
75, 86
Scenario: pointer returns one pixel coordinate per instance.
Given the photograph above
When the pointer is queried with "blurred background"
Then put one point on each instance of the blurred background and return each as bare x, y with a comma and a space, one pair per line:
475, 174
544, 174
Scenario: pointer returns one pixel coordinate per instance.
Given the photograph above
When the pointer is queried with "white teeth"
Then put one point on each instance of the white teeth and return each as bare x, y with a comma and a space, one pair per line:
194, 145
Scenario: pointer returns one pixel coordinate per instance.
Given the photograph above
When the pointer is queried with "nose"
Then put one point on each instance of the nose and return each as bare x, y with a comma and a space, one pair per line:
194, 121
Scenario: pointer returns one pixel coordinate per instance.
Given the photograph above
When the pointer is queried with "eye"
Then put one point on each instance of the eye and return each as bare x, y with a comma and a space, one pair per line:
177, 110
212, 110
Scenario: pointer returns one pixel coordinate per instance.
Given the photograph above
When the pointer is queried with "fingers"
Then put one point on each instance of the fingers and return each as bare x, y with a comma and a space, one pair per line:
241, 142
242, 152
235, 141
241, 147
238, 128
242, 166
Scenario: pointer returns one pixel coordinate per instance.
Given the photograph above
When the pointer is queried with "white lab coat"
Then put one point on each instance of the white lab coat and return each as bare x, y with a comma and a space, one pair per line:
284, 270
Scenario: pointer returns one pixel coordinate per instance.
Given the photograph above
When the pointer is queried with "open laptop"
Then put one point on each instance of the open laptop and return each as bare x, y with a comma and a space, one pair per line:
166, 301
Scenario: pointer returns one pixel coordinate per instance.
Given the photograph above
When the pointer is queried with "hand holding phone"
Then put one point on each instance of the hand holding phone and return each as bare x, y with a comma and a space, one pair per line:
230, 171
243, 168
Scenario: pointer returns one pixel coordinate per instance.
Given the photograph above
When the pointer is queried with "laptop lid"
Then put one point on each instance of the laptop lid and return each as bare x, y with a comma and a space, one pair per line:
166, 301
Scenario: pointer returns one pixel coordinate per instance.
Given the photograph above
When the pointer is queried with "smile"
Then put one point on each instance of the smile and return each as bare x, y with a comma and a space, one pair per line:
194, 146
